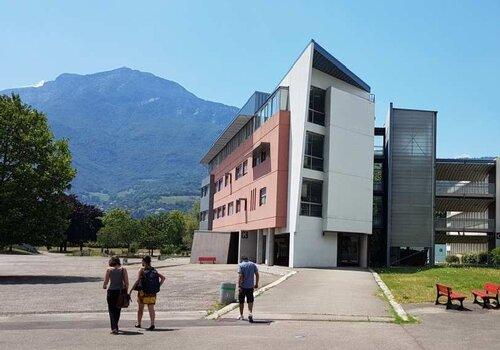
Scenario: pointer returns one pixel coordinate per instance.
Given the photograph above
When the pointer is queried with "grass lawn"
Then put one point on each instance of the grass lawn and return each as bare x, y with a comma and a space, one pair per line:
418, 284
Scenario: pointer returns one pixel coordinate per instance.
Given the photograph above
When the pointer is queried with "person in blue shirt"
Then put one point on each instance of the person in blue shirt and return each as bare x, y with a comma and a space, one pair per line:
248, 281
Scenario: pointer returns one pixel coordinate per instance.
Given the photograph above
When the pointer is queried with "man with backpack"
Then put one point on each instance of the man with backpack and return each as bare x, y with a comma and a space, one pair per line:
148, 285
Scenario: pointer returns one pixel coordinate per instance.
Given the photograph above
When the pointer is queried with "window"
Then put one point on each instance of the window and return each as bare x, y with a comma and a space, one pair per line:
227, 179
262, 196
238, 172
218, 185
218, 212
259, 157
313, 157
311, 204
230, 208
238, 205
316, 106
244, 167
223, 212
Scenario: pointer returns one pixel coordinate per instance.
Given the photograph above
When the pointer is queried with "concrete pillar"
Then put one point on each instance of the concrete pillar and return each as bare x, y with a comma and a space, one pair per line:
248, 245
270, 247
363, 251
260, 247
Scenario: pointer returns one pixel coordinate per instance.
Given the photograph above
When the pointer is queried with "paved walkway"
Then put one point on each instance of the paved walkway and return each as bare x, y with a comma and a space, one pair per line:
323, 294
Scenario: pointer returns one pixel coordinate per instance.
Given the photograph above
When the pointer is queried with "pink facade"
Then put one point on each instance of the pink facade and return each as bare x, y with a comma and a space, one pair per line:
272, 175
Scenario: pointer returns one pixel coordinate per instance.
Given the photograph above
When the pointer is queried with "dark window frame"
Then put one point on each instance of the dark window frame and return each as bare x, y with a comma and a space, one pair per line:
309, 206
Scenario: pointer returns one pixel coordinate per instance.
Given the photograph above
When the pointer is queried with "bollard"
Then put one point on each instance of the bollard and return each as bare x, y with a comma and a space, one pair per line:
227, 292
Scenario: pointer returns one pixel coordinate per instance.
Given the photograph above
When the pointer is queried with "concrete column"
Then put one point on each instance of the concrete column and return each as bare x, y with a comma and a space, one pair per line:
260, 250
363, 251
270, 247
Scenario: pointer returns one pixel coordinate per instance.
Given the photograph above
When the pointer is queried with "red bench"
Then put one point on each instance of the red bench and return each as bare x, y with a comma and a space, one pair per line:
206, 259
444, 291
491, 291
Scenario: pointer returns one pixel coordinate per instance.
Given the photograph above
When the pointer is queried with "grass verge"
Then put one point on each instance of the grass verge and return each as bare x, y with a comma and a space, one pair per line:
418, 284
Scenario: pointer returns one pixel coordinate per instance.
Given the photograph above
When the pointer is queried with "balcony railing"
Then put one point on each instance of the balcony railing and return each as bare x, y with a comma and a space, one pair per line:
454, 188
378, 187
459, 224
278, 101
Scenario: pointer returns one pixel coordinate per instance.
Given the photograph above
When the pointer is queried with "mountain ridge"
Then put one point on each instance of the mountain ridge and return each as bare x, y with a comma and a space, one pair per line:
136, 138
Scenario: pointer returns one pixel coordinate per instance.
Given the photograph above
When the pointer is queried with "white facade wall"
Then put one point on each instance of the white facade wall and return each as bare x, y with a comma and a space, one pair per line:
344, 209
349, 163
298, 79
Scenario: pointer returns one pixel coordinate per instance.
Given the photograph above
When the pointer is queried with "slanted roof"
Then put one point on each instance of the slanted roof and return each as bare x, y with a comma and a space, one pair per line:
240, 120
325, 62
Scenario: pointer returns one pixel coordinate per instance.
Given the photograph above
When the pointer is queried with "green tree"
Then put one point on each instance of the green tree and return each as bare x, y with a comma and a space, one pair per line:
192, 223
176, 228
154, 231
35, 171
120, 228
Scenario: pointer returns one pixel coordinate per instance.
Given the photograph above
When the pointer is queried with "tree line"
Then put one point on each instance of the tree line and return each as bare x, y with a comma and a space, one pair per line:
36, 207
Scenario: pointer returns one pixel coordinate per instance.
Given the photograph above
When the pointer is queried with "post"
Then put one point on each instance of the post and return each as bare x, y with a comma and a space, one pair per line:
363, 251
270, 247
260, 239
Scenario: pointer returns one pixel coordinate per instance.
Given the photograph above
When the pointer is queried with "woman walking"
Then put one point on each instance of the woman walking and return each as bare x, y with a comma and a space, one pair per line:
117, 278
148, 284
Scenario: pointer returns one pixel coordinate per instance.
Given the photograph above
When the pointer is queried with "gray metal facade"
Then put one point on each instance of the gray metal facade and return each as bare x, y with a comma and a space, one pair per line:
411, 148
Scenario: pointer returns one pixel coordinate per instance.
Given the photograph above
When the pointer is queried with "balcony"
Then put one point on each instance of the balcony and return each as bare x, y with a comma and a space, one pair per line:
465, 189
278, 101
464, 225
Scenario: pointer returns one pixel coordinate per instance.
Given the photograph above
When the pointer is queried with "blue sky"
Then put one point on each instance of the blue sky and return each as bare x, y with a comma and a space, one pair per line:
440, 55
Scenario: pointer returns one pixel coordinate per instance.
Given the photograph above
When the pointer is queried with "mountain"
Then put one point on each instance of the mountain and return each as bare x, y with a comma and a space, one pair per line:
136, 138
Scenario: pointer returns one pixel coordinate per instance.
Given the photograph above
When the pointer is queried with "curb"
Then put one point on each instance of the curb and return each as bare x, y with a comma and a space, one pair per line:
232, 306
388, 294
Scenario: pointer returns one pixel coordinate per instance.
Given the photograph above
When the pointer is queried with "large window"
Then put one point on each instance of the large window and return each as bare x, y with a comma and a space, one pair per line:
317, 106
230, 208
313, 157
262, 196
259, 157
311, 203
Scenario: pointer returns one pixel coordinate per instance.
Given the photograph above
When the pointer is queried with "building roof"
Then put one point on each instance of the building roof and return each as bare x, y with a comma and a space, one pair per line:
242, 117
325, 62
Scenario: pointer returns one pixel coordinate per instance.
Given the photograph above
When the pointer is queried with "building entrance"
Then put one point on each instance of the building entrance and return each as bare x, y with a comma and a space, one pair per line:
348, 249
281, 249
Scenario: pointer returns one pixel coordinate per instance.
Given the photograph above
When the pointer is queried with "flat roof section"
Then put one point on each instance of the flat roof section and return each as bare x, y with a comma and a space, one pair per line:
463, 169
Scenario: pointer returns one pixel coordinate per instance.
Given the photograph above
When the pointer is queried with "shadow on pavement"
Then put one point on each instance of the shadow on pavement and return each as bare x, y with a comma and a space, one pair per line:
129, 333
27, 279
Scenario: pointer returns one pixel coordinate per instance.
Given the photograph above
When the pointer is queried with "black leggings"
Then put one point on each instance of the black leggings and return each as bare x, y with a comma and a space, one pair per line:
114, 312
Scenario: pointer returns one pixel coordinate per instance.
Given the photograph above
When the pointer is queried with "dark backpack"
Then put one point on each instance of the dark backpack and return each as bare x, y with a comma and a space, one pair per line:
150, 281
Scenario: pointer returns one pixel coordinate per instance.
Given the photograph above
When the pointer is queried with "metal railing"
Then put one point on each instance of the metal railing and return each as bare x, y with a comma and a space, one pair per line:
454, 188
460, 224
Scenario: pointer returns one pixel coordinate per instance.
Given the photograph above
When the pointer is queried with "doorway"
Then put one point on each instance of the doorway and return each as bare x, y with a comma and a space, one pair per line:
348, 249
281, 249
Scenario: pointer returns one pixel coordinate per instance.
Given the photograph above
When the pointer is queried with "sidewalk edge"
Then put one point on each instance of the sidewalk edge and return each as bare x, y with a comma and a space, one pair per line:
232, 306
388, 294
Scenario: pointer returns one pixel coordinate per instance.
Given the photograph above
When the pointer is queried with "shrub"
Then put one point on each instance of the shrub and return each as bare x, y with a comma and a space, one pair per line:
471, 258
168, 249
452, 259
134, 247
482, 258
495, 256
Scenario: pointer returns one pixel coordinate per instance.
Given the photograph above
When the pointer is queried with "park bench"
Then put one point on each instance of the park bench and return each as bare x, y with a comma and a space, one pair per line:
206, 259
491, 291
444, 291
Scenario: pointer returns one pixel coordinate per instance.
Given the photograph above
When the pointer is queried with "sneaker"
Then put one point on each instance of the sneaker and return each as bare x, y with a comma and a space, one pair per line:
151, 328
250, 318
240, 317
137, 326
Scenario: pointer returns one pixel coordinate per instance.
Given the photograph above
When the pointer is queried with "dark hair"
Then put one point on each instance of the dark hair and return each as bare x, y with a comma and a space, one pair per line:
114, 261
147, 259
